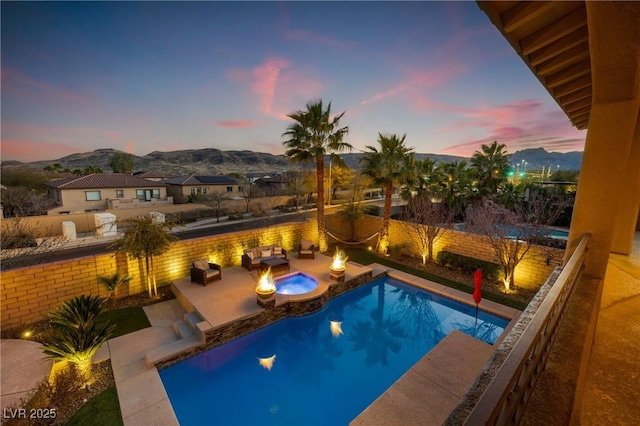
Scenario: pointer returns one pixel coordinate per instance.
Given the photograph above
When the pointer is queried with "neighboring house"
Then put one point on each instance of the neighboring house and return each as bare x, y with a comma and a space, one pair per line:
105, 191
180, 188
153, 176
273, 185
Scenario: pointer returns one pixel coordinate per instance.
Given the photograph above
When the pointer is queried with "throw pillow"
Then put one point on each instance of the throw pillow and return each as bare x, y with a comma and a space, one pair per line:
250, 254
306, 244
201, 264
266, 253
277, 250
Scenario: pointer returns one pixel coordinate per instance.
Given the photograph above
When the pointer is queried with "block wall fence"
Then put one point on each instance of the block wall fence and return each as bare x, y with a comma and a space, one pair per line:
29, 294
530, 273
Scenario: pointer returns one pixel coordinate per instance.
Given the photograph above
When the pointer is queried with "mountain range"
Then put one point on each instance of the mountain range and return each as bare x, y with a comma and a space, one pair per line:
214, 162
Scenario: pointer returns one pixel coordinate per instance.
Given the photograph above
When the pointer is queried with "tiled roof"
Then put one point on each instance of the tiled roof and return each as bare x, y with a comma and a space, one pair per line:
152, 175
201, 180
103, 180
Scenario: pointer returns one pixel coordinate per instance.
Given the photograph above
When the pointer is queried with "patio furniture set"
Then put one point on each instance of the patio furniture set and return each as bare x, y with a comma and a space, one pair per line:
261, 258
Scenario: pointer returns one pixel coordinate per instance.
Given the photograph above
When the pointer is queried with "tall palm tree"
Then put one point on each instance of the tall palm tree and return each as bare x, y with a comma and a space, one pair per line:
313, 135
491, 165
393, 164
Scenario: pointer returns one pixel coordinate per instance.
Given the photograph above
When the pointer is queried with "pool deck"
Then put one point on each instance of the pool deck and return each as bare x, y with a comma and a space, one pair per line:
440, 378
426, 393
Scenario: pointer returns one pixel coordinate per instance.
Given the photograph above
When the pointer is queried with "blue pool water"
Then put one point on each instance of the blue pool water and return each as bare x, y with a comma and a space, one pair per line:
297, 283
320, 375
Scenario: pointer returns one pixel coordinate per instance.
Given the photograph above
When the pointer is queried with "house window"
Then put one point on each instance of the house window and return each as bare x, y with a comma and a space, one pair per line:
119, 193
147, 194
156, 193
229, 188
93, 195
193, 191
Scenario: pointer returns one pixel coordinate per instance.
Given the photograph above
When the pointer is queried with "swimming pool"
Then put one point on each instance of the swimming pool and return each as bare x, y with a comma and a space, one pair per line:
324, 368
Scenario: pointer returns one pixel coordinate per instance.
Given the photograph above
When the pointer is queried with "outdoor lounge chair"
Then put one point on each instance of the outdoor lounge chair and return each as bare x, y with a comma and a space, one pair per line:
204, 272
306, 250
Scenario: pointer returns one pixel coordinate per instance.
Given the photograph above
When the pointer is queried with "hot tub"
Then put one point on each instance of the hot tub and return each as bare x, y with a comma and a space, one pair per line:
296, 283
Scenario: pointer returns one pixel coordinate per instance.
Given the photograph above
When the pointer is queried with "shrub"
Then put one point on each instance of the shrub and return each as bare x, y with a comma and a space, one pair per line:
469, 265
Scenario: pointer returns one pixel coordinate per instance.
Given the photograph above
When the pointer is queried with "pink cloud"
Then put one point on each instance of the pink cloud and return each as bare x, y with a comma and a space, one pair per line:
415, 82
237, 123
278, 86
519, 125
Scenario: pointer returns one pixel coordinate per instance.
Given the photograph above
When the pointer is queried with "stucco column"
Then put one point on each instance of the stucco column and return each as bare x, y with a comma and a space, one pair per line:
629, 203
602, 198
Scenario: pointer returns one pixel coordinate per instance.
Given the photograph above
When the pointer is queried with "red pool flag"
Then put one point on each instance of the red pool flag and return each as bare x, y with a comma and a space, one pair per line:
477, 292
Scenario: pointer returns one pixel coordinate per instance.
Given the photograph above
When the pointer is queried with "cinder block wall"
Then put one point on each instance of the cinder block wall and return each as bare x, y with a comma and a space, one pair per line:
29, 294
531, 272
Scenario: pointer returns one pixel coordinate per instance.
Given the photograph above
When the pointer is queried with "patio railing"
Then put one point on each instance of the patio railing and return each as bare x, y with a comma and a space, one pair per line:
505, 397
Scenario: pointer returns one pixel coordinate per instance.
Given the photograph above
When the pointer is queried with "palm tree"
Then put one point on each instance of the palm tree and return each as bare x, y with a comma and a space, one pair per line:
77, 333
393, 164
313, 135
112, 282
456, 189
491, 165
145, 239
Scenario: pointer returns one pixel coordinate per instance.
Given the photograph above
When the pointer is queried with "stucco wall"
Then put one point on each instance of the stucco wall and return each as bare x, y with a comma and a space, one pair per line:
75, 200
29, 294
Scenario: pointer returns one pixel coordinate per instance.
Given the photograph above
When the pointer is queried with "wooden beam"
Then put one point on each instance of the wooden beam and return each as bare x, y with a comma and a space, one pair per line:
522, 13
569, 74
576, 96
582, 124
581, 111
575, 54
579, 104
560, 46
573, 86
581, 117
555, 31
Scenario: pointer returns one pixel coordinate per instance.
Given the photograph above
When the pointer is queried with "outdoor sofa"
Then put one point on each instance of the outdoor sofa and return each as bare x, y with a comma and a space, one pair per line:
251, 258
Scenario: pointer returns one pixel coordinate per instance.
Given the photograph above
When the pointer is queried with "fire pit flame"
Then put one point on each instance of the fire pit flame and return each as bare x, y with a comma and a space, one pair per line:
339, 260
266, 283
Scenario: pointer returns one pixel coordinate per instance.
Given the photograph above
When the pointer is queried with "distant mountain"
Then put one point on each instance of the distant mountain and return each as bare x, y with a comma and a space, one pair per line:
213, 161
537, 158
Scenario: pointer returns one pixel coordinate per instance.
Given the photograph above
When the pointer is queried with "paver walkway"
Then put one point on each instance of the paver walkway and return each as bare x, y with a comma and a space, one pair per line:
23, 367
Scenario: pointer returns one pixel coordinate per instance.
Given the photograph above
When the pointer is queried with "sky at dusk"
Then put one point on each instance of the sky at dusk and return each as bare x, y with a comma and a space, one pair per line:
164, 76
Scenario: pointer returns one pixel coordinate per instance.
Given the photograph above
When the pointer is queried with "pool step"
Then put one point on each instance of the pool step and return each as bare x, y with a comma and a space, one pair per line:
192, 319
182, 329
170, 350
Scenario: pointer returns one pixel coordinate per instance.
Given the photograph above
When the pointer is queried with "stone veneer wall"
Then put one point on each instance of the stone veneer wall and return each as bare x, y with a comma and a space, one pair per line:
29, 294
531, 273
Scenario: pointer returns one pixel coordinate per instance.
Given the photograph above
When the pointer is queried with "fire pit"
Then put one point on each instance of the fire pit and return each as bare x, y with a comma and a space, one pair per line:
266, 287
339, 265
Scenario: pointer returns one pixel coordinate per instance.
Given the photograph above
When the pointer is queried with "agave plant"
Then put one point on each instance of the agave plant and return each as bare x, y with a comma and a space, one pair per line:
111, 283
77, 333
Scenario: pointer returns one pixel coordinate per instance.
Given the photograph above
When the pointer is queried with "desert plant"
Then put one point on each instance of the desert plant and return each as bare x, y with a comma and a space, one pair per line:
111, 283
77, 332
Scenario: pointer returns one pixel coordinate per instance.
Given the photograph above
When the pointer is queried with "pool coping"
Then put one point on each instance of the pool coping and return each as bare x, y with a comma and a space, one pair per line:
138, 378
